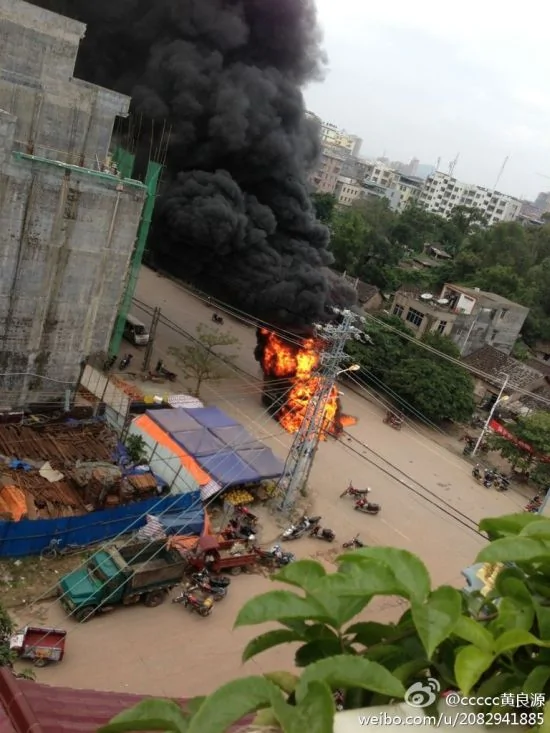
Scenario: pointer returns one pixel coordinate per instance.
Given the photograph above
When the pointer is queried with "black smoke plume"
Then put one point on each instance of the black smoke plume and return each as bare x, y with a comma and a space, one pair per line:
234, 214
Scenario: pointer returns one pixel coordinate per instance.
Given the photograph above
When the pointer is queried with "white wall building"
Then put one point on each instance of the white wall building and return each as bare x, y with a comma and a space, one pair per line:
442, 193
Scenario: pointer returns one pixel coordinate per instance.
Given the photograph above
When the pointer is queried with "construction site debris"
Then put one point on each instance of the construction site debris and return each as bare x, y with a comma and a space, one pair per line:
50, 474
143, 483
13, 503
61, 444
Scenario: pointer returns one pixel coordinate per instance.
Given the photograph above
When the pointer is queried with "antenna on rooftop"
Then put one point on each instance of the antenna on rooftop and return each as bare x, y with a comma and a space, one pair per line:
501, 171
438, 164
452, 164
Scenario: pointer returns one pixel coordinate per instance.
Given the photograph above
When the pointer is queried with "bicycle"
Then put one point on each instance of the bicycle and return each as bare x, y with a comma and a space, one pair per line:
55, 549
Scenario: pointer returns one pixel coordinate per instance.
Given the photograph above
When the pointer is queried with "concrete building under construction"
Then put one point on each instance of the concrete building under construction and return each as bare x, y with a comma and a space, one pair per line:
68, 219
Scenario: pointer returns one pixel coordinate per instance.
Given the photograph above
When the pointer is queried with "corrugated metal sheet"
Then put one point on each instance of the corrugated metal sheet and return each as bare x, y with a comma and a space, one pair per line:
29, 707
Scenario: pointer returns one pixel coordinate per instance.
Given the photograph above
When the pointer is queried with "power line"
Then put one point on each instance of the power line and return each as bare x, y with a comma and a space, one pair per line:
248, 319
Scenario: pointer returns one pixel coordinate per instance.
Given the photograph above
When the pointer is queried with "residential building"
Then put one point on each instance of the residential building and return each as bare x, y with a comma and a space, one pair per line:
497, 365
472, 318
332, 136
369, 297
347, 191
329, 169
382, 174
68, 221
355, 168
442, 193
409, 189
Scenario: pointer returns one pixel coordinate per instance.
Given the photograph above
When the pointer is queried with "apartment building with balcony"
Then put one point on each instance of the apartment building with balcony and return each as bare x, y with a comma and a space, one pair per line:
441, 193
472, 318
329, 169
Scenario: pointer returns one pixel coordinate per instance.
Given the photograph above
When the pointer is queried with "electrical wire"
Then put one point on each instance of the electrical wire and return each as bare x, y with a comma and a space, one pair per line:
292, 338
454, 360
267, 412
461, 519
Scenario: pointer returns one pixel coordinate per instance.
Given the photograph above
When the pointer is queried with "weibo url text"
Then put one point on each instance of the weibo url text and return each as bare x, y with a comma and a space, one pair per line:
456, 719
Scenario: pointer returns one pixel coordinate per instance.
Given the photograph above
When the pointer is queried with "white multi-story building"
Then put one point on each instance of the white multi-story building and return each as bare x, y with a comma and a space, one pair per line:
441, 193
381, 174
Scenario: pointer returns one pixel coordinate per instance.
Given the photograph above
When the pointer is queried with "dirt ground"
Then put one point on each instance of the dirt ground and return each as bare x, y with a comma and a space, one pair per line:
430, 505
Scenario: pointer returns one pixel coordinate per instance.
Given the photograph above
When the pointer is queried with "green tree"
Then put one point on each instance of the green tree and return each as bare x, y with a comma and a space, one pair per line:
200, 361
438, 390
534, 430
385, 351
324, 205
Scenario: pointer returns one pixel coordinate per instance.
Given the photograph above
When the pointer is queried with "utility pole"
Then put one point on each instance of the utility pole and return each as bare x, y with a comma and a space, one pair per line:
493, 408
151, 342
304, 446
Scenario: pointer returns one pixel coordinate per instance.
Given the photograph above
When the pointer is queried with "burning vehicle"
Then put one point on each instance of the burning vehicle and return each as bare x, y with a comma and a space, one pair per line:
289, 365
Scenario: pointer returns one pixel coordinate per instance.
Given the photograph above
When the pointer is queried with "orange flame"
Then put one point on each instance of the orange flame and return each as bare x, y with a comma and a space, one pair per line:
285, 361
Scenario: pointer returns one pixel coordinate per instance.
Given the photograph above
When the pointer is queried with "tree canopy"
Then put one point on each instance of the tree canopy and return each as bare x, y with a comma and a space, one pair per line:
369, 241
533, 430
423, 383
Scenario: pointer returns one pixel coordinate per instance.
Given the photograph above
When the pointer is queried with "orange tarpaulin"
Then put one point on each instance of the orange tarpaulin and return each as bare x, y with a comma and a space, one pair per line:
185, 542
13, 501
147, 425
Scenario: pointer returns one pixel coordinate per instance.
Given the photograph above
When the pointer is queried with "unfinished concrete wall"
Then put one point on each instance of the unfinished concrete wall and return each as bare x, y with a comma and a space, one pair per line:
58, 117
66, 238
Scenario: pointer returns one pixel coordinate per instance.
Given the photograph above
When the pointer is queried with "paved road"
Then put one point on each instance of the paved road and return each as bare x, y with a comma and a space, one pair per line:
429, 505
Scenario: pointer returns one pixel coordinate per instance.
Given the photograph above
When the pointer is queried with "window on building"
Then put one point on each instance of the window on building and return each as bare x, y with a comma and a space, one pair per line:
398, 310
441, 327
415, 317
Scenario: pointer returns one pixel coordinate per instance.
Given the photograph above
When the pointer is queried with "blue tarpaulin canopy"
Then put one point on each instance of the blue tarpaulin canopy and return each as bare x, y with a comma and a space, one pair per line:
220, 445
188, 522
199, 442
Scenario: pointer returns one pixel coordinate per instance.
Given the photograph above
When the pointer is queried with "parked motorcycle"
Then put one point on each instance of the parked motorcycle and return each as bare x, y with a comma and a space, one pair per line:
367, 507
339, 700
125, 362
352, 491
534, 505
502, 483
217, 319
489, 478
320, 533
162, 371
109, 363
354, 544
216, 581
275, 556
202, 606
295, 531
477, 473
217, 592
393, 420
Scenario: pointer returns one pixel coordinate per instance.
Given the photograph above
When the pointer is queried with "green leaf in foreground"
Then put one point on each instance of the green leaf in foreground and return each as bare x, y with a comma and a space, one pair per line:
149, 715
285, 681
349, 671
470, 664
276, 605
232, 702
472, 631
304, 574
514, 549
436, 618
513, 639
409, 571
315, 713
510, 524
268, 640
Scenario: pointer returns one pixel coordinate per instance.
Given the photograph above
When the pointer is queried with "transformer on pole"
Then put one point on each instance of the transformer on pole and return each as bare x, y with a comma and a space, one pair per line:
304, 446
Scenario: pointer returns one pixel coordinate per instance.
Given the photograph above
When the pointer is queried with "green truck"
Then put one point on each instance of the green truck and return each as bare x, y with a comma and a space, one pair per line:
121, 576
